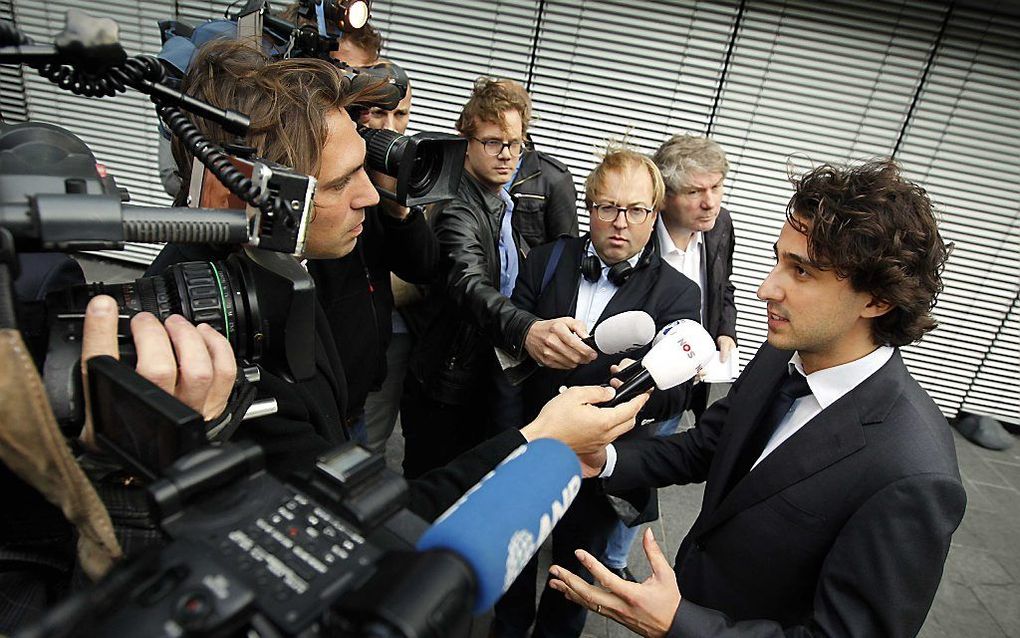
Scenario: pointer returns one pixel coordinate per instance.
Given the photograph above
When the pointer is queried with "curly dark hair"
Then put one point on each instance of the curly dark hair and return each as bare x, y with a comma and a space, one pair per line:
870, 225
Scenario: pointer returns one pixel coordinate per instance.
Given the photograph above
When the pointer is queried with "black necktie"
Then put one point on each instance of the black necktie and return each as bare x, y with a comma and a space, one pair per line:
793, 387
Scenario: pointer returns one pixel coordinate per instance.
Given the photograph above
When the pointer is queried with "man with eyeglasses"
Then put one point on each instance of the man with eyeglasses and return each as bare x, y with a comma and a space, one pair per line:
614, 269
454, 396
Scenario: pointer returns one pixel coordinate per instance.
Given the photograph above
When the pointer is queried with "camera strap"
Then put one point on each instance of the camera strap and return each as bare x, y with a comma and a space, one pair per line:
32, 446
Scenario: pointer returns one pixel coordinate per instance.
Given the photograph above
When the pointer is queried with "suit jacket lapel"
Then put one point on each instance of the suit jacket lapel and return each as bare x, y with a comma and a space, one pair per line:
742, 418
560, 296
712, 239
833, 434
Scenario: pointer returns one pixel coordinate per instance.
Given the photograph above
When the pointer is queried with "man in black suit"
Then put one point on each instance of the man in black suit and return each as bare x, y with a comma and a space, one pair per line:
832, 488
614, 269
696, 237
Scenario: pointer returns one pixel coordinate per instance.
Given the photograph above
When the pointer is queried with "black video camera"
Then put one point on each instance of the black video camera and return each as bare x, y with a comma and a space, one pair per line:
251, 555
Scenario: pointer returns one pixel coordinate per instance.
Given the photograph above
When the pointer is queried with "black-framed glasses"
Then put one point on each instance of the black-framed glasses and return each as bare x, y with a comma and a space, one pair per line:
609, 212
495, 147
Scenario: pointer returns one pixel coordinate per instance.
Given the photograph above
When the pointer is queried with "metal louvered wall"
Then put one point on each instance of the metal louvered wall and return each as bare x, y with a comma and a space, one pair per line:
12, 95
780, 84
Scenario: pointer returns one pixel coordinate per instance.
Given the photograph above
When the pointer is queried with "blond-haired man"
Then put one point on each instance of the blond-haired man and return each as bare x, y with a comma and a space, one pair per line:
614, 269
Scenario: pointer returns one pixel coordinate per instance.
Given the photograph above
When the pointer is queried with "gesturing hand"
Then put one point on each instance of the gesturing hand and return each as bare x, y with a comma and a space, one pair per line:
645, 608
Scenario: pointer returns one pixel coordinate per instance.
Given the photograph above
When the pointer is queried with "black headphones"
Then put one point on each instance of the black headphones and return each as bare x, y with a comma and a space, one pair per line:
619, 273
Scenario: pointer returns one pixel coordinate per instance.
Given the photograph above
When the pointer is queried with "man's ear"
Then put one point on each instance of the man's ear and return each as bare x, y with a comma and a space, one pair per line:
876, 308
214, 193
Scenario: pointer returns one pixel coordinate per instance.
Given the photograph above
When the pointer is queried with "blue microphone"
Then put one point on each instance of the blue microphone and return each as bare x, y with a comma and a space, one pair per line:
499, 524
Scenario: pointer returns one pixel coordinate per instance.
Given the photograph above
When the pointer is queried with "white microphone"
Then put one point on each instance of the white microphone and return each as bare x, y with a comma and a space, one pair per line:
635, 367
676, 358
617, 334
624, 332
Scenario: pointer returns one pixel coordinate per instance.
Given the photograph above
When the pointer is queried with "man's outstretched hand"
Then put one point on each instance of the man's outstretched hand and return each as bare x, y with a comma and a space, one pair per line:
573, 417
645, 608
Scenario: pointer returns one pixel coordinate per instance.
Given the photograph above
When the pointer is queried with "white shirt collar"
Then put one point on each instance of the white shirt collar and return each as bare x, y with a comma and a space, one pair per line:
830, 384
666, 244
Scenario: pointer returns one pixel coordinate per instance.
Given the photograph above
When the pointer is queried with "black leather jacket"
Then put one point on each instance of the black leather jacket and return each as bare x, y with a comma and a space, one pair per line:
545, 199
464, 313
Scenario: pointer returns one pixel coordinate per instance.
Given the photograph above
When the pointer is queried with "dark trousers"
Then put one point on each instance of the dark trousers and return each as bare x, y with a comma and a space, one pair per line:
586, 525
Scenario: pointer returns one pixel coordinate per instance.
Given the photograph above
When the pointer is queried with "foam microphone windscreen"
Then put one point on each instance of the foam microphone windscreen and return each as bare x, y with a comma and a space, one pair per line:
681, 353
624, 332
499, 524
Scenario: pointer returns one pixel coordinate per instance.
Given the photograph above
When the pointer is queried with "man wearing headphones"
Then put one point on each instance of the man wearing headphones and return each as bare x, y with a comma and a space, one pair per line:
614, 269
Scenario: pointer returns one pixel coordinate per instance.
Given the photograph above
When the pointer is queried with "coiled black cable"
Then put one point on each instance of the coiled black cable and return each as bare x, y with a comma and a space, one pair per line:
139, 72
214, 158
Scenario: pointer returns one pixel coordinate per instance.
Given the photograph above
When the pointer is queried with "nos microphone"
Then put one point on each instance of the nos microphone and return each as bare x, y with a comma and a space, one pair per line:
676, 358
635, 367
497, 526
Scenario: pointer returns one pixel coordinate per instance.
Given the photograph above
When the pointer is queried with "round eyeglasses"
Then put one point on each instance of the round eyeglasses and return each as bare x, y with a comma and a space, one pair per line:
610, 212
495, 147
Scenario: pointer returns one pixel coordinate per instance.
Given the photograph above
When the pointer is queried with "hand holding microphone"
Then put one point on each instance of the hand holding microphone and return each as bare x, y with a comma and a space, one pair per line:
563, 343
677, 356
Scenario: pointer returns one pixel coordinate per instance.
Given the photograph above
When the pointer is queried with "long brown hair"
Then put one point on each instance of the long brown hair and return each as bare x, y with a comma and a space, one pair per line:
288, 102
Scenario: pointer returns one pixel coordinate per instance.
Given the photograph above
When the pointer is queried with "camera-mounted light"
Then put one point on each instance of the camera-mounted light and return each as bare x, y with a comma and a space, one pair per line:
337, 16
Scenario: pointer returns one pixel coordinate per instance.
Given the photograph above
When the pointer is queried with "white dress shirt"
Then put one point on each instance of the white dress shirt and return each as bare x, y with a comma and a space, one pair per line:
827, 386
592, 298
689, 263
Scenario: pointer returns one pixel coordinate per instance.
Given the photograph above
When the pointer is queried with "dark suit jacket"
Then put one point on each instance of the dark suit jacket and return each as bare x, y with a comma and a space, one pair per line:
842, 530
720, 309
659, 290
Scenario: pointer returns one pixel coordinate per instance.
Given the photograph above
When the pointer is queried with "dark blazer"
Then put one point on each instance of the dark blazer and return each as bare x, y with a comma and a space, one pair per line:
842, 530
655, 288
720, 309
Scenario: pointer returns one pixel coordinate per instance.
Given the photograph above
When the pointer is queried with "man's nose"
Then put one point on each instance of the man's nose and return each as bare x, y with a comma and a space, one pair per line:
768, 289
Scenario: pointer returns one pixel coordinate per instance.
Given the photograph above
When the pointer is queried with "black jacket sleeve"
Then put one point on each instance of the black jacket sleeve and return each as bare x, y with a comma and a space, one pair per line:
434, 492
411, 249
467, 279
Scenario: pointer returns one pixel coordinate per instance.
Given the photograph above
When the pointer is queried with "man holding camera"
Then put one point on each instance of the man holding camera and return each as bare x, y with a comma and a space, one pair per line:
356, 291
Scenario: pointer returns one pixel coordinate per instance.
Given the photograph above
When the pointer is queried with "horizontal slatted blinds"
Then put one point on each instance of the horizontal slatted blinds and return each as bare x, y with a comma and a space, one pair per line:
962, 144
615, 71
808, 83
12, 84
445, 45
